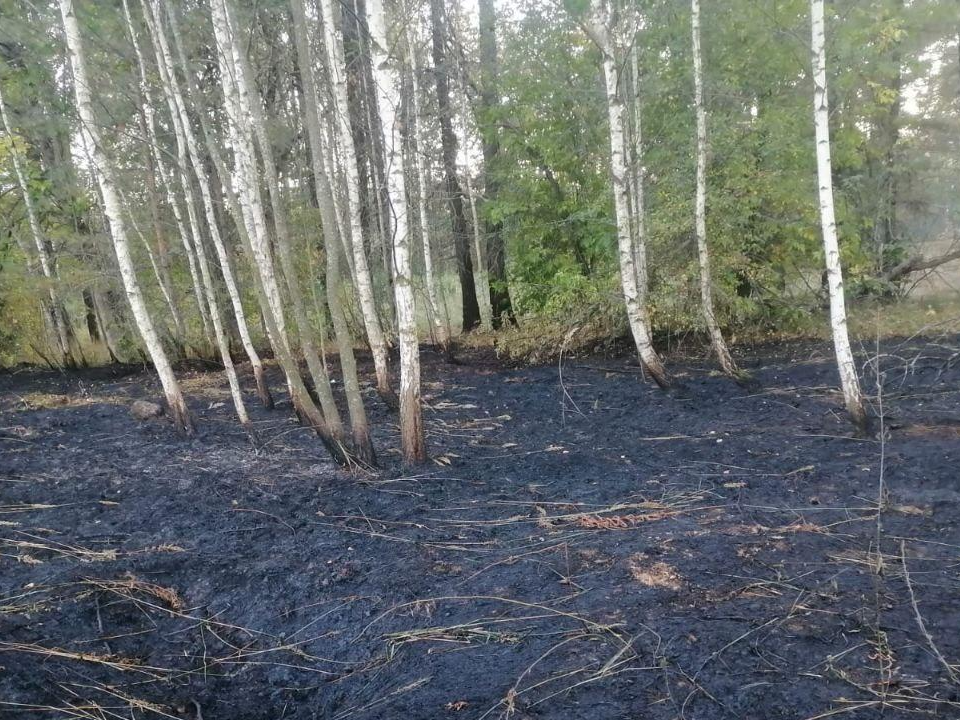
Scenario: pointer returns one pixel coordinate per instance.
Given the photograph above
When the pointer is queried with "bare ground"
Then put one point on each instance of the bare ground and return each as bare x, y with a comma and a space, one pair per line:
582, 546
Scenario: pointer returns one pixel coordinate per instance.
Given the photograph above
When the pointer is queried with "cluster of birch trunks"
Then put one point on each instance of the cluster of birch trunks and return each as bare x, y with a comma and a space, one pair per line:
615, 37
241, 155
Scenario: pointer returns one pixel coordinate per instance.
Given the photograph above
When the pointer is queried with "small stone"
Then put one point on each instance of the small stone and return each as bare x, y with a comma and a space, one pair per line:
145, 410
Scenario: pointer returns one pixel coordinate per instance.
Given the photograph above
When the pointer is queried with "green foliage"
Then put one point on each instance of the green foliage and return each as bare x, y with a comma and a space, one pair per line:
554, 199
763, 219
896, 165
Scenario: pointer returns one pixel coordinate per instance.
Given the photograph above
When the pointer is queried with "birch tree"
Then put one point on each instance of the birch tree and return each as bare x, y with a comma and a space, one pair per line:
717, 342
500, 304
388, 80
166, 289
332, 229
247, 209
636, 177
633, 272
57, 314
179, 109
336, 68
186, 150
304, 407
371, 160
831, 247
448, 142
104, 172
239, 109
145, 121
437, 313
305, 332
188, 241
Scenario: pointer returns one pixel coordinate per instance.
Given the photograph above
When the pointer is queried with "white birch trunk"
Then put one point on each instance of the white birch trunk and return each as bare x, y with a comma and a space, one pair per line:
305, 332
633, 272
377, 185
334, 166
831, 247
47, 267
303, 404
388, 81
146, 118
185, 149
186, 241
118, 233
703, 255
307, 412
188, 237
364, 283
331, 237
437, 314
251, 227
183, 125
334, 169
239, 109
636, 197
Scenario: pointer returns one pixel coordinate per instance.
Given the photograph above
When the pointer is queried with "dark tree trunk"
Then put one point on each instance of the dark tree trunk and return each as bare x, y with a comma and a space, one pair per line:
90, 308
454, 193
887, 138
489, 101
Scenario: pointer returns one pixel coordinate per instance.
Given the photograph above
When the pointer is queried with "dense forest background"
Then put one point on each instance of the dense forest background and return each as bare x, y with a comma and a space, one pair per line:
894, 86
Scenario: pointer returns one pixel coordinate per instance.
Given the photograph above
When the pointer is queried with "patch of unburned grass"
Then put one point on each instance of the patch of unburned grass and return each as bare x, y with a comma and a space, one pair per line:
654, 573
52, 401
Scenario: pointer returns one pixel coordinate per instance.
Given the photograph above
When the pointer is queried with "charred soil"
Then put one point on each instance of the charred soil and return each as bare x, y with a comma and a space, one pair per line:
582, 545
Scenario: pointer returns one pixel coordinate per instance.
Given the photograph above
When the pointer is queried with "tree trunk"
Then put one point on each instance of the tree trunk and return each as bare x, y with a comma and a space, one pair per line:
90, 314
706, 279
331, 238
186, 240
147, 132
388, 80
838, 313
886, 136
181, 126
500, 304
481, 280
239, 107
251, 228
448, 141
364, 283
633, 274
210, 209
118, 233
370, 150
190, 243
165, 290
57, 314
437, 313
305, 331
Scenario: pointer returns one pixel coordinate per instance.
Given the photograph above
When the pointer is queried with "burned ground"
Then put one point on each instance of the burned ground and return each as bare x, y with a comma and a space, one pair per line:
580, 548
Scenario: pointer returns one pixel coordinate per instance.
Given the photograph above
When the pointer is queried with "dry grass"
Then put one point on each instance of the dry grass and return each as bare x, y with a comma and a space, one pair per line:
654, 573
28, 549
130, 587
50, 401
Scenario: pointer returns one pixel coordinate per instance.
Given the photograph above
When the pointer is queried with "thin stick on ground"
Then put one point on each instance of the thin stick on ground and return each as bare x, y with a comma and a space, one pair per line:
951, 670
